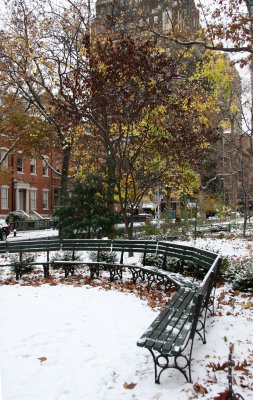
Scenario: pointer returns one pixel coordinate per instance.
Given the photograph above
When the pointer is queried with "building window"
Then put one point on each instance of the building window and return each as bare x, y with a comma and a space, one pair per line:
156, 19
4, 197
33, 165
181, 19
45, 166
33, 199
45, 199
20, 162
56, 197
4, 164
58, 166
167, 20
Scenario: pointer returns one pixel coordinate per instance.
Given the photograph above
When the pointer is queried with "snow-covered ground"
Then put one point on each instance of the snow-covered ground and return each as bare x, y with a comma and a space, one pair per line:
68, 340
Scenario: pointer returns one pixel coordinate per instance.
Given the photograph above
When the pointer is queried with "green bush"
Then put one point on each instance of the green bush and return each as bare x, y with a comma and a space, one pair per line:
88, 213
240, 275
153, 260
64, 256
151, 229
173, 264
15, 216
104, 256
26, 258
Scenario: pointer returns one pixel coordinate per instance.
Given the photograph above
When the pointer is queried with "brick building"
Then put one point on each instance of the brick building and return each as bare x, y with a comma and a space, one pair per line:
146, 17
143, 17
27, 183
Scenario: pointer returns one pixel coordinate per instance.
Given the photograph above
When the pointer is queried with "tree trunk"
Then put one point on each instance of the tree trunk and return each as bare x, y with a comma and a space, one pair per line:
64, 176
111, 183
64, 182
129, 224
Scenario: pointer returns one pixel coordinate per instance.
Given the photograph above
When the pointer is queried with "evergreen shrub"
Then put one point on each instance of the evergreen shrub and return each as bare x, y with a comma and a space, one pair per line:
26, 258
104, 256
240, 275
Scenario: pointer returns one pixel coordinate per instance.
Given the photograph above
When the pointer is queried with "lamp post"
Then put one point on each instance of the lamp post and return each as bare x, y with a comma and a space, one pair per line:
14, 181
158, 208
168, 190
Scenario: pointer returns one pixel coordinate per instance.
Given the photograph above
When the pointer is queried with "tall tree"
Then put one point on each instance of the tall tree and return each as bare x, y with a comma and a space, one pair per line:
42, 42
142, 117
22, 129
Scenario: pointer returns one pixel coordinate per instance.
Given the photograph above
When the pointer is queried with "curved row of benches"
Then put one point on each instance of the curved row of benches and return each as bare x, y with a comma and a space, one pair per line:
170, 337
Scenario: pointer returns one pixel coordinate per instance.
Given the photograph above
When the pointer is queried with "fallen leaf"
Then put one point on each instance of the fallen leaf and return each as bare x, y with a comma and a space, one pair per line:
247, 305
222, 396
42, 359
199, 388
218, 366
129, 385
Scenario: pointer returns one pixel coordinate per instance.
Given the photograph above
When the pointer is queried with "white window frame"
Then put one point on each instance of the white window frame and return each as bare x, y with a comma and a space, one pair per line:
33, 198
45, 200
167, 20
45, 166
58, 166
3, 151
20, 156
4, 198
156, 19
33, 165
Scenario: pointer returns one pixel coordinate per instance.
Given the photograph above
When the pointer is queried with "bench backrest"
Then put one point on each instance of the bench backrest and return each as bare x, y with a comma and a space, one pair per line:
209, 281
122, 246
31, 246
201, 259
86, 244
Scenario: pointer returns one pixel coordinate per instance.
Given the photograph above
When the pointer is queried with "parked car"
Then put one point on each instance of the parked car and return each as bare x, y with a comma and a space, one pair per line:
213, 218
4, 229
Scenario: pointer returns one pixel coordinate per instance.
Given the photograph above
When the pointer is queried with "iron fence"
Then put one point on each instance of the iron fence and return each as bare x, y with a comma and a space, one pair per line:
31, 225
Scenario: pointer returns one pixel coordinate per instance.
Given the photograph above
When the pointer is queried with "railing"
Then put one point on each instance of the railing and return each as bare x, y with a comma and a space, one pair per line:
33, 225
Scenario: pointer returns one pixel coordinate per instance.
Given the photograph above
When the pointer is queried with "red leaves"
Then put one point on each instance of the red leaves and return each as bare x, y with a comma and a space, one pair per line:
222, 396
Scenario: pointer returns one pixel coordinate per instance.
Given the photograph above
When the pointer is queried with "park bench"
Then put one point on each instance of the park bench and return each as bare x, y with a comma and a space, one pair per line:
105, 245
30, 246
173, 331
170, 337
181, 255
220, 228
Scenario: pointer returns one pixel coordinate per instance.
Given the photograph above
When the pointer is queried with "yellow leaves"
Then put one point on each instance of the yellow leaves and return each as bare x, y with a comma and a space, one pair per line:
216, 71
102, 68
225, 125
188, 180
247, 304
152, 83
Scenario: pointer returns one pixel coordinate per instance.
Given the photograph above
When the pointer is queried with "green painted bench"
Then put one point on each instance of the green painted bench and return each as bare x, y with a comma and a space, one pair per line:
20, 247
200, 259
173, 331
170, 337
220, 228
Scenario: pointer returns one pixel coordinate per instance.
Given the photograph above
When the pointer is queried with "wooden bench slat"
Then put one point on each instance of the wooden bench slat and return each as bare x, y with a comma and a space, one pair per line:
175, 322
183, 297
